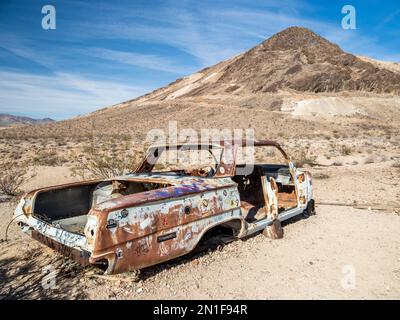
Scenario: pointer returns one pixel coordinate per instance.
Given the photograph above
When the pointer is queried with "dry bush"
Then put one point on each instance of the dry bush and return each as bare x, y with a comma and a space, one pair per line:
48, 158
12, 178
304, 157
95, 163
396, 164
321, 175
345, 150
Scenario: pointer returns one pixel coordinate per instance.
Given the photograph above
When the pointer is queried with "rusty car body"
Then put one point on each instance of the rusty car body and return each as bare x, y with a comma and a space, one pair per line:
148, 217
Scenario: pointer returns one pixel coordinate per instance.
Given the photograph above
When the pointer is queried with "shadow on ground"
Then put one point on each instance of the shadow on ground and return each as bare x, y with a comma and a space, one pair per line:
31, 275
202, 250
35, 275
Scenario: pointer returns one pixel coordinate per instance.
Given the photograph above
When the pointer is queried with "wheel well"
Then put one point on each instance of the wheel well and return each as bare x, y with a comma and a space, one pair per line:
234, 225
216, 234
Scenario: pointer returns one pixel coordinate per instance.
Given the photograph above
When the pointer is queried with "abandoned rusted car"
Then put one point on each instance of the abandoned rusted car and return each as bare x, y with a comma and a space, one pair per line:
150, 216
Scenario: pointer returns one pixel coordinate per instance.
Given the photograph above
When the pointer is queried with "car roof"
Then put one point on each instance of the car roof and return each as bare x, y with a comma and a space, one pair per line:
220, 144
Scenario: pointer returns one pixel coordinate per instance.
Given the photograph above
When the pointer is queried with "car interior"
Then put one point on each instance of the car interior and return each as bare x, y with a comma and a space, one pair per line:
68, 207
252, 192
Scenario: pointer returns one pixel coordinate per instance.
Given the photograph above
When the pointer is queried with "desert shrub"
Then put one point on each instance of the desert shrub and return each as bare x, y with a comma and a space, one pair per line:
12, 178
15, 155
304, 157
276, 105
48, 158
321, 175
100, 163
396, 164
61, 143
345, 150
337, 163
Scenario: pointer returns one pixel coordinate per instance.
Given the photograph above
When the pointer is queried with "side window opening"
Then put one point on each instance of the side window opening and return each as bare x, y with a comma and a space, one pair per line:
269, 163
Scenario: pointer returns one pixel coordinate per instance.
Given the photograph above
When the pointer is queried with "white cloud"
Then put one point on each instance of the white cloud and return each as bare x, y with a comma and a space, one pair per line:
60, 95
148, 61
212, 35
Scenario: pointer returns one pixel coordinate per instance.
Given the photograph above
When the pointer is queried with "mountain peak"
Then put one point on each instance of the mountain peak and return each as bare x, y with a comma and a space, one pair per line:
295, 58
296, 37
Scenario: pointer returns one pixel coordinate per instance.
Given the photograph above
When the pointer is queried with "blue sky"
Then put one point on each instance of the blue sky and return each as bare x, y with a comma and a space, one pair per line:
105, 52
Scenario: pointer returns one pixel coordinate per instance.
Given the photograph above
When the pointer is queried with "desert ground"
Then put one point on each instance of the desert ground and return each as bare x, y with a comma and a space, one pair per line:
354, 159
336, 115
355, 230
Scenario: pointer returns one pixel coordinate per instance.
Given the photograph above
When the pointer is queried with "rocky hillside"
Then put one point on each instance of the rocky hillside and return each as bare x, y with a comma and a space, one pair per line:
293, 59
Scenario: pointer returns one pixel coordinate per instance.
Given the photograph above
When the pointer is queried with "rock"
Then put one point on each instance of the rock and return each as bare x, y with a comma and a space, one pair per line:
195, 262
5, 198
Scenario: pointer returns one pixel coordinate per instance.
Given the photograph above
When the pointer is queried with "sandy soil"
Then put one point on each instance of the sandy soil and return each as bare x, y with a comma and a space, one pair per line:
316, 259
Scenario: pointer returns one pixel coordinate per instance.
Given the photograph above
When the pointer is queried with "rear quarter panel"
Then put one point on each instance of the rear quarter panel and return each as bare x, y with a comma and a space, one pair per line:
139, 236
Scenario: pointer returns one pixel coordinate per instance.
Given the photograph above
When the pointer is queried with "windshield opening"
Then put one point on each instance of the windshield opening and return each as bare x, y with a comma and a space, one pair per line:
188, 159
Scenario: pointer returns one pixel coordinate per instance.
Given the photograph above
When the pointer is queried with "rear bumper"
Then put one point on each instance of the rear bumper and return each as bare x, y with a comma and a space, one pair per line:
78, 255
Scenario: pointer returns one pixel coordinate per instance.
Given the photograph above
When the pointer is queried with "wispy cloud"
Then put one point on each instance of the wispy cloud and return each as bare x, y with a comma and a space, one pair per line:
60, 95
148, 61
211, 35
389, 18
